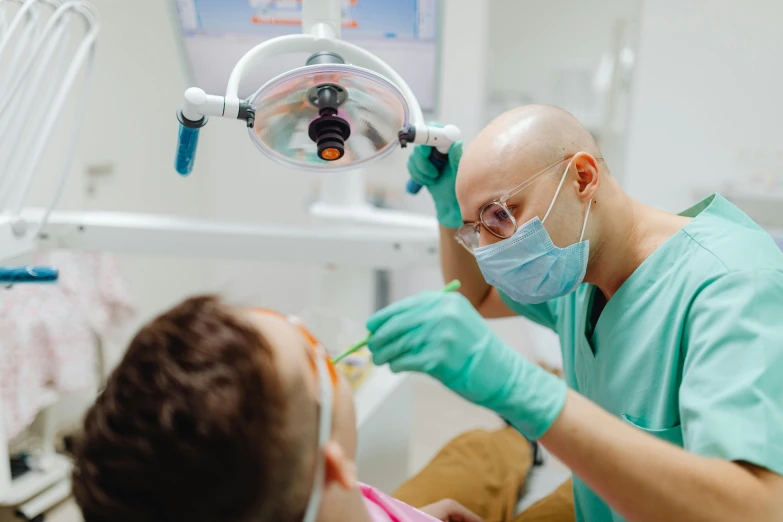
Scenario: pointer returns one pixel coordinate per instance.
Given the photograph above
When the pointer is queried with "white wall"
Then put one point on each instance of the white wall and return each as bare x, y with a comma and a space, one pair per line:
530, 39
707, 100
533, 41
130, 130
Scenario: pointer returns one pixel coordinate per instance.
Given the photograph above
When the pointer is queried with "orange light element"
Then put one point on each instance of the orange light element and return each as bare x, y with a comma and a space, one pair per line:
330, 154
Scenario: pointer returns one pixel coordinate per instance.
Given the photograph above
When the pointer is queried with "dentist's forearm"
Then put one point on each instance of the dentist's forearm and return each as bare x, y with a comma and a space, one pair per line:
645, 479
458, 263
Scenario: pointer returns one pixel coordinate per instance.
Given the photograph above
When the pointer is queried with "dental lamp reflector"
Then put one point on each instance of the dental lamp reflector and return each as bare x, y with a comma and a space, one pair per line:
328, 117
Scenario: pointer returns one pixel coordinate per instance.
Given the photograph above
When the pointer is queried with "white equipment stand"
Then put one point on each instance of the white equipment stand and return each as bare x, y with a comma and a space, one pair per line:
37, 77
347, 234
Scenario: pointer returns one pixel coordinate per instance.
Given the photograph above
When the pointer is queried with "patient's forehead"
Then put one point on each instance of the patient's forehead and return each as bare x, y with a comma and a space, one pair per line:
288, 345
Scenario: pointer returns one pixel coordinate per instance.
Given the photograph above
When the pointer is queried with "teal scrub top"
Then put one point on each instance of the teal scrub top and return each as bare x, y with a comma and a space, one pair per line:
689, 349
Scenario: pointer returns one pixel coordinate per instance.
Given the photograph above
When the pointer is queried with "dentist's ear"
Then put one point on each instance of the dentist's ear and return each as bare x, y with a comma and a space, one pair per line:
340, 470
588, 175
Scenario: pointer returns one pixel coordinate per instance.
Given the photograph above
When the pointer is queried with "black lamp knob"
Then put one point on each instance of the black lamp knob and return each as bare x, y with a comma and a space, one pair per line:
329, 132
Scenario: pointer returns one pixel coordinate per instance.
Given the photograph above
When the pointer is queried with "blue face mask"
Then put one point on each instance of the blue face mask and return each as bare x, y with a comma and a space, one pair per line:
529, 268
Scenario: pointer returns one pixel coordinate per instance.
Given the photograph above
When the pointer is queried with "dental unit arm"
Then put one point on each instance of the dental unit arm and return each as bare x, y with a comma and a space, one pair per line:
40, 68
321, 32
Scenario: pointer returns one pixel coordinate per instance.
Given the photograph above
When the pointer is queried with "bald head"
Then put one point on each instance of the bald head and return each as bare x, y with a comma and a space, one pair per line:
515, 146
521, 142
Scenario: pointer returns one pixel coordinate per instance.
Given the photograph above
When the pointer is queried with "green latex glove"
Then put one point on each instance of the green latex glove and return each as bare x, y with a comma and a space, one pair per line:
442, 335
440, 184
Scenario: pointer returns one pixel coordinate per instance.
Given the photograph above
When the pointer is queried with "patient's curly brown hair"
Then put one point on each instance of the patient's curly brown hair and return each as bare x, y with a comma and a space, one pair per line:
195, 424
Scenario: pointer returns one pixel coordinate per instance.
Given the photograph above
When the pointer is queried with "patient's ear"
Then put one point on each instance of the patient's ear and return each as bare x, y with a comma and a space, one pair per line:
340, 470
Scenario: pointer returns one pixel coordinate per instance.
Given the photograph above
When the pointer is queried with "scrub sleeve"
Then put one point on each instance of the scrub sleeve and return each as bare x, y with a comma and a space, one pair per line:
734, 370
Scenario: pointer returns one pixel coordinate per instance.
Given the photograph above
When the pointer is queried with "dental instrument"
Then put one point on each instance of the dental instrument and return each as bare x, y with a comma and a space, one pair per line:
451, 287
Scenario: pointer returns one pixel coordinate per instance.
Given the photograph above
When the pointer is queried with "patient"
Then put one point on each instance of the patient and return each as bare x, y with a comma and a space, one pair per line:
214, 415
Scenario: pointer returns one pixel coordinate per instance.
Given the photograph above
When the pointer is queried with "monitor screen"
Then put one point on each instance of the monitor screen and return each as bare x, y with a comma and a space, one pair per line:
217, 33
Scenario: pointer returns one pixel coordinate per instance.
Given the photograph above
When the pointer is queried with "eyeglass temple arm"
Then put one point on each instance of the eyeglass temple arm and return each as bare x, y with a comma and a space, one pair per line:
505, 197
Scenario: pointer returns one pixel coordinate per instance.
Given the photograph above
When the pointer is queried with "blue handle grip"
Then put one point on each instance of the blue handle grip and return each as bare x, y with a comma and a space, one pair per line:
438, 159
412, 187
186, 149
28, 274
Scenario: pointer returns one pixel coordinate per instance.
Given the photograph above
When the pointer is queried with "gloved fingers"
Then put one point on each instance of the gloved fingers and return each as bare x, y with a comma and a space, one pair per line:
422, 151
387, 352
424, 301
421, 168
390, 353
455, 154
394, 340
414, 361
392, 329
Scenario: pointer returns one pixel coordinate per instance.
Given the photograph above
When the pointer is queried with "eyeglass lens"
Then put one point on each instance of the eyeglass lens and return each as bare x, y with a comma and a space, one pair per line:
498, 220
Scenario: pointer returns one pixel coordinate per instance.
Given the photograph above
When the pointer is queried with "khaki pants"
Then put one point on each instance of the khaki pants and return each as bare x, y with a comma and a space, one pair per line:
485, 472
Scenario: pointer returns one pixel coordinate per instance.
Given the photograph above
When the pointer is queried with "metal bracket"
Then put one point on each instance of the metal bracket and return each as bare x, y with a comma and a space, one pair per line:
247, 113
406, 135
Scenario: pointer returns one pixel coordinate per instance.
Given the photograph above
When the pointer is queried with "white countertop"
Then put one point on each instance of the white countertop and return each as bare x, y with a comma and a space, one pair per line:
379, 385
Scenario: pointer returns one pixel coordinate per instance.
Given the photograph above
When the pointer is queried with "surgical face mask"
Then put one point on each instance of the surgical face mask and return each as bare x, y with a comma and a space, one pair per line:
529, 268
326, 396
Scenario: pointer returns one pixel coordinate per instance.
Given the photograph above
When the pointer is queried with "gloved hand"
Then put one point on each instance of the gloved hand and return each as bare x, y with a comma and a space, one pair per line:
441, 334
440, 184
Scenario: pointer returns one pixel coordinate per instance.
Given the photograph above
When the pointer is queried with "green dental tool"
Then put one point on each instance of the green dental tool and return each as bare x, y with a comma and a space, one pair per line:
451, 287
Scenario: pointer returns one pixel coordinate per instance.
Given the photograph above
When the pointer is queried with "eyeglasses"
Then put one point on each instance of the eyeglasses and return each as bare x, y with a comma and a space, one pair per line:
496, 217
326, 372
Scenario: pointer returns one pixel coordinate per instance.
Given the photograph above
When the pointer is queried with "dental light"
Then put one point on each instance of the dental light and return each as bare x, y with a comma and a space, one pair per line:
342, 109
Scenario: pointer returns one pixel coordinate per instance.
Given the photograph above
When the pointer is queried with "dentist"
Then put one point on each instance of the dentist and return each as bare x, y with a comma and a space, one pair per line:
671, 325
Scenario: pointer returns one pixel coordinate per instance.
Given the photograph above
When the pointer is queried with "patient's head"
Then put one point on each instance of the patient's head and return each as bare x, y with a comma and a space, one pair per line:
212, 415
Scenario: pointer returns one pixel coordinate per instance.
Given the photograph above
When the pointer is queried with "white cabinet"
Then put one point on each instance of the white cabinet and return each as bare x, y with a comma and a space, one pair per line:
384, 416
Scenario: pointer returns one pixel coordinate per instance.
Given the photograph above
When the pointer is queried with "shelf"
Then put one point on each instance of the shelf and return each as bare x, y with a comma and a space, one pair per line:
384, 418
34, 482
384, 244
46, 500
11, 247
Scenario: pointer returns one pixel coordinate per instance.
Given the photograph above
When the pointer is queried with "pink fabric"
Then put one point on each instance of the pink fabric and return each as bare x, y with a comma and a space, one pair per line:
383, 508
48, 332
